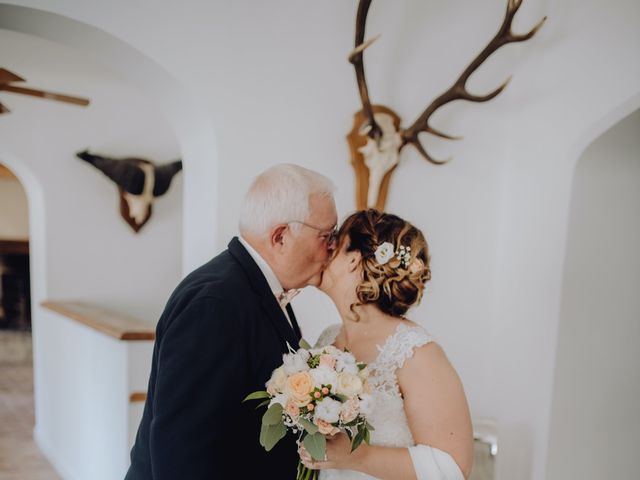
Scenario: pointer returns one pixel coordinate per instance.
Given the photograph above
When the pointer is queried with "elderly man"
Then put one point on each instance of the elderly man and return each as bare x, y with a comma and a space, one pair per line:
224, 331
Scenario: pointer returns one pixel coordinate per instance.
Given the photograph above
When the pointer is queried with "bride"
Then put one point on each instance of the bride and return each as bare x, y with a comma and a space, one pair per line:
420, 413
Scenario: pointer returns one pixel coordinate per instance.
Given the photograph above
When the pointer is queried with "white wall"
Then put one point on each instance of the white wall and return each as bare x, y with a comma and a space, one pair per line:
86, 424
274, 78
90, 250
82, 249
595, 417
14, 211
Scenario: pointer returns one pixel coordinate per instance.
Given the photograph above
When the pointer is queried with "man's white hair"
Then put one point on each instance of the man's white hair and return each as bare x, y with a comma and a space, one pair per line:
280, 195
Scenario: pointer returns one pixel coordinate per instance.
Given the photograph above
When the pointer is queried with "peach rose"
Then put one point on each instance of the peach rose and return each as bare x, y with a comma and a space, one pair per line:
349, 409
298, 387
325, 428
327, 360
292, 410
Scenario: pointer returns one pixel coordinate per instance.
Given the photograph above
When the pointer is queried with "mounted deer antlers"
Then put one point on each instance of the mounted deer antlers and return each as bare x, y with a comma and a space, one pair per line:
377, 138
7, 78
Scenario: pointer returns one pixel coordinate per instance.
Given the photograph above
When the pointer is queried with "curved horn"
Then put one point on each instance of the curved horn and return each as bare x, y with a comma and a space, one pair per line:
125, 174
164, 174
355, 57
458, 91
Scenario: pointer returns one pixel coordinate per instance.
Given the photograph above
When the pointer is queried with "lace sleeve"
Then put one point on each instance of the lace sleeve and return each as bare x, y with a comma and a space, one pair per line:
398, 348
328, 336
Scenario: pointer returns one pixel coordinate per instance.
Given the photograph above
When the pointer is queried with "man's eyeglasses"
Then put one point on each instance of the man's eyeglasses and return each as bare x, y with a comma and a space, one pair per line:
328, 236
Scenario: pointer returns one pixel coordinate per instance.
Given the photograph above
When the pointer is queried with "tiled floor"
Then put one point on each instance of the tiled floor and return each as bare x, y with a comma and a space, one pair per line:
20, 458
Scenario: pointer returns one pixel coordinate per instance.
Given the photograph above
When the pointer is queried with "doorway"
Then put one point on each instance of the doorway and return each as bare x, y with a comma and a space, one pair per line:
594, 413
19, 455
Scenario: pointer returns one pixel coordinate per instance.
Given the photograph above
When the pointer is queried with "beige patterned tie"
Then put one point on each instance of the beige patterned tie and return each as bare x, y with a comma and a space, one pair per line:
285, 297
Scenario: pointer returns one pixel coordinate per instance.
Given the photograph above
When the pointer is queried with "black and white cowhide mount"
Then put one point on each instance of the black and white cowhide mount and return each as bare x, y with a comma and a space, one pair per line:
139, 182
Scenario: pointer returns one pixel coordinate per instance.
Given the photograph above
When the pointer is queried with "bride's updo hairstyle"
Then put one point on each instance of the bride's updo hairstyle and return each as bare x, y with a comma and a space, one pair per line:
395, 260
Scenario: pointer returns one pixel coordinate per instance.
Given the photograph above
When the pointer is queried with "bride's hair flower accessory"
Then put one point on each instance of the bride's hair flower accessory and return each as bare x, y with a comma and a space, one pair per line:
404, 255
384, 252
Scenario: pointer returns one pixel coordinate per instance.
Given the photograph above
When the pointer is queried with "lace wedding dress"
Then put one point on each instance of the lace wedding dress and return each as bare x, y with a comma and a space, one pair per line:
388, 416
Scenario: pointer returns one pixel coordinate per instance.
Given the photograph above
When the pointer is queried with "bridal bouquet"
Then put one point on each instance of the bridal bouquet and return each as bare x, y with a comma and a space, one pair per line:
316, 392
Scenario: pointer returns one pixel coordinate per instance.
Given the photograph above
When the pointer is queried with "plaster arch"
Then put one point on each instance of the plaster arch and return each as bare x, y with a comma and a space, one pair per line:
597, 325
191, 122
37, 226
595, 129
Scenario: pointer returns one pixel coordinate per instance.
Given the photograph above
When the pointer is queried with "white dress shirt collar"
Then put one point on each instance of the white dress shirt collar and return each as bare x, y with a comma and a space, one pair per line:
272, 280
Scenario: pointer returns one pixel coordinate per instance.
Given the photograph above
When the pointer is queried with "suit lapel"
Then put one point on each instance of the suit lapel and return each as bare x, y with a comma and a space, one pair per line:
269, 303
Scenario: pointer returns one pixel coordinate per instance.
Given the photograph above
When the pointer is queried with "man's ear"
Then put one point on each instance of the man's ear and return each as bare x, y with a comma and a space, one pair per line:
277, 235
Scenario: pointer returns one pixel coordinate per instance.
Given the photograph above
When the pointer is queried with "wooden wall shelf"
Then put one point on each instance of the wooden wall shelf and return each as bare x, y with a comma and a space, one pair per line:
118, 326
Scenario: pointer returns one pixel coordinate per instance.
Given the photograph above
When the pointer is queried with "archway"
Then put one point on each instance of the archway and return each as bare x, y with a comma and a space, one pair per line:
594, 416
189, 119
193, 131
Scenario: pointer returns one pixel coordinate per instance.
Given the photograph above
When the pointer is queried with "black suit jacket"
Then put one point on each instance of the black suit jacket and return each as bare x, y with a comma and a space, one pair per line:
219, 338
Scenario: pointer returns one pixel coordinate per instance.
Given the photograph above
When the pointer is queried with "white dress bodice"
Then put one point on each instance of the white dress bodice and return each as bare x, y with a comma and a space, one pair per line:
387, 416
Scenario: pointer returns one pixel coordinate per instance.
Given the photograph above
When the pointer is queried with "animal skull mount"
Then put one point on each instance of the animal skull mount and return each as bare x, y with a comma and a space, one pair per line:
377, 137
139, 182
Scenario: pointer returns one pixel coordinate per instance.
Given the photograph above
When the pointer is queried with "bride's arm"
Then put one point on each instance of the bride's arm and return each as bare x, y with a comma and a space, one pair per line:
436, 405
438, 417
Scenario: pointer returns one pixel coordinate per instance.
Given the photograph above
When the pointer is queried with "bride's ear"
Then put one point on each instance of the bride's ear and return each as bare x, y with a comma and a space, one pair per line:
355, 258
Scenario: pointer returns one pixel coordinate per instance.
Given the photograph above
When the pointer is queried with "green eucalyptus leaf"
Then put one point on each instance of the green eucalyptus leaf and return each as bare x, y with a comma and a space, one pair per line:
316, 445
263, 433
257, 395
273, 415
304, 344
273, 434
262, 404
310, 427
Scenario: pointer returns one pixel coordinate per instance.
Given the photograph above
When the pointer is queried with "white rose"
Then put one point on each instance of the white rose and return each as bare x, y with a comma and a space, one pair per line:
277, 381
304, 354
346, 362
324, 375
349, 384
384, 253
331, 350
294, 363
351, 368
328, 410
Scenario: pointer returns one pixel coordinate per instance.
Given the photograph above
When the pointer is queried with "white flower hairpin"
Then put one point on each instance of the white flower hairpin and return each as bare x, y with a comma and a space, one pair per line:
404, 255
384, 252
